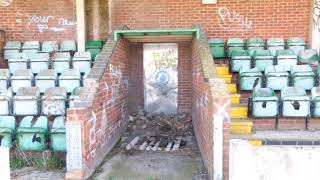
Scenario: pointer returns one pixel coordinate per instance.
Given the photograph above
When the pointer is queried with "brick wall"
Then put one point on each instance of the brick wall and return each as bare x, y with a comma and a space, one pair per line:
209, 98
104, 116
241, 18
184, 77
41, 20
136, 84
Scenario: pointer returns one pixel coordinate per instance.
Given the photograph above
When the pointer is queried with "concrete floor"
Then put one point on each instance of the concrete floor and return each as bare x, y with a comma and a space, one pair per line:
33, 174
152, 166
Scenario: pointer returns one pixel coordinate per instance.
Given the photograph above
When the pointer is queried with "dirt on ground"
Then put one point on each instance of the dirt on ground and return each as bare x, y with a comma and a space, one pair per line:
30, 173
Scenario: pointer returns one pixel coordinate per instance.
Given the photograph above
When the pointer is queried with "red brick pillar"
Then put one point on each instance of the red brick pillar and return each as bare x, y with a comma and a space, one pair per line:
2, 44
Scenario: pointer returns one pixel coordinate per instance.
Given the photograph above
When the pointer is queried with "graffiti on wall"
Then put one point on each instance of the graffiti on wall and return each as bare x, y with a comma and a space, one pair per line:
316, 14
5, 3
233, 21
113, 89
47, 23
161, 77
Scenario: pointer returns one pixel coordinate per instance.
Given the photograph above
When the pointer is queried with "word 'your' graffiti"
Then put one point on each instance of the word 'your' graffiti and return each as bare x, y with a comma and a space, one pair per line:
45, 23
233, 21
5, 3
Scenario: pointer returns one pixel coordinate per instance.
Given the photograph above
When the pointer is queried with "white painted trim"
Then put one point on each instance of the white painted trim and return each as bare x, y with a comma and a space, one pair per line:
81, 24
218, 147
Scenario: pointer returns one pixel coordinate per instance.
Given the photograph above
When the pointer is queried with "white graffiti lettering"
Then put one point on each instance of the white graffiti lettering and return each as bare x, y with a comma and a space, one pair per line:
233, 21
92, 134
47, 23
5, 3
66, 22
39, 19
222, 110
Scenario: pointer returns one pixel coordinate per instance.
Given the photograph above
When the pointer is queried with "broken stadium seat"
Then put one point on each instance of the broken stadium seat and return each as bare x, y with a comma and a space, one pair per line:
250, 79
264, 103
295, 102
31, 135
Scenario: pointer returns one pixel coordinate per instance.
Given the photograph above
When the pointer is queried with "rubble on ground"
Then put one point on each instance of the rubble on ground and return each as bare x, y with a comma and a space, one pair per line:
158, 131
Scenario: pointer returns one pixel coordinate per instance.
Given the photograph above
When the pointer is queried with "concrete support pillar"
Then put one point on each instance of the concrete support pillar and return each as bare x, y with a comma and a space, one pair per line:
110, 7
96, 18
81, 24
315, 25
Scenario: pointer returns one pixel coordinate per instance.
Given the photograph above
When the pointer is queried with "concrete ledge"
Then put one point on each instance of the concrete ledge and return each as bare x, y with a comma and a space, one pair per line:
281, 136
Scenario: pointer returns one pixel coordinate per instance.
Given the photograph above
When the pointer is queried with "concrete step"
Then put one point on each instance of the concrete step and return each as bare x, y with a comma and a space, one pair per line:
235, 98
226, 77
232, 88
241, 126
276, 137
239, 111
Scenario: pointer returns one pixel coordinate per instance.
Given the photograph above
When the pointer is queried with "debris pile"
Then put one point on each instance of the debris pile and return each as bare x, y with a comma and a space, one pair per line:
158, 131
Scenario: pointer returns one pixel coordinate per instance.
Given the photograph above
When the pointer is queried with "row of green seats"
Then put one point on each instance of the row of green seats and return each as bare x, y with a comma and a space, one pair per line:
276, 77
294, 103
32, 133
218, 49
263, 58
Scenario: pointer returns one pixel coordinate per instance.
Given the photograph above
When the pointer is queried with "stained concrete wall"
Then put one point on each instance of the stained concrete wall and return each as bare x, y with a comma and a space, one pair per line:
97, 19
273, 162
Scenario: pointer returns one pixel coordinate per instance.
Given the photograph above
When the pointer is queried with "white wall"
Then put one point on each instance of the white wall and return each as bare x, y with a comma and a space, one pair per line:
273, 162
4, 164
